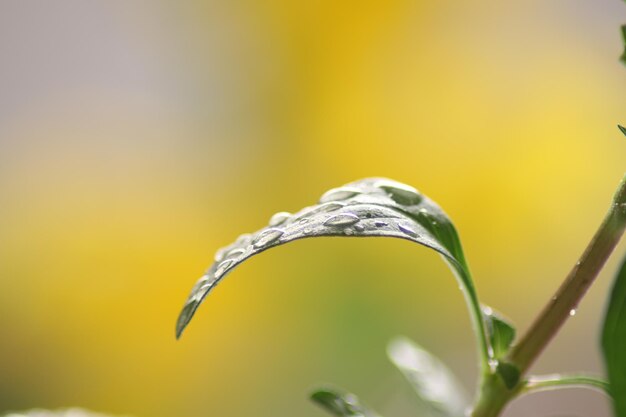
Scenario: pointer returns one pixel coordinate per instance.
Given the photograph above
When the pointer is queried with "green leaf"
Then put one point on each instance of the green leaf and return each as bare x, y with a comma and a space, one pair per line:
614, 342
341, 403
500, 332
433, 382
509, 373
366, 208
622, 129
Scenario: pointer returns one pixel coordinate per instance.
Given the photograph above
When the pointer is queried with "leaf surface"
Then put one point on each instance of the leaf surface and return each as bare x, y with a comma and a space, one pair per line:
500, 332
341, 403
614, 342
372, 207
433, 382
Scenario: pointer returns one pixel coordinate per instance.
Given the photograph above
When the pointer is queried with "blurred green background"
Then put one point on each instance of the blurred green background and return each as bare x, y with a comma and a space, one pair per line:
137, 137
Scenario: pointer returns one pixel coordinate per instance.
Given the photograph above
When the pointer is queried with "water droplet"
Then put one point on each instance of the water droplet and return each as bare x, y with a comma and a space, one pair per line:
307, 231
266, 237
221, 268
219, 255
348, 232
322, 208
341, 193
493, 365
243, 240
279, 218
303, 220
359, 227
572, 312
235, 253
487, 311
400, 193
381, 224
423, 211
203, 290
407, 230
342, 220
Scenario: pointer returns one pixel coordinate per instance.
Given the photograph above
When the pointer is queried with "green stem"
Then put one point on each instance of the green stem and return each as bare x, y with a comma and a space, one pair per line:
551, 382
493, 395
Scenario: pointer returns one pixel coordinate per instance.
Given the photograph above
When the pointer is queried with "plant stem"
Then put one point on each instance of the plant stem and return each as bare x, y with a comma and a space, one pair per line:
565, 301
551, 382
493, 395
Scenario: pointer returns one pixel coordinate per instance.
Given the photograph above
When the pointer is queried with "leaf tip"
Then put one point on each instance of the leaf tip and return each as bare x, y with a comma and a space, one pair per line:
620, 127
185, 316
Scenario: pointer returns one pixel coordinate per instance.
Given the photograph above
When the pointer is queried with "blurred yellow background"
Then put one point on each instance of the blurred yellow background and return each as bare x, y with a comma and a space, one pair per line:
138, 137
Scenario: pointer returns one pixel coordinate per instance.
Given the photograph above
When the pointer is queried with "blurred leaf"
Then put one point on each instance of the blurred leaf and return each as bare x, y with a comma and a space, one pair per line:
433, 382
366, 208
537, 383
500, 332
341, 403
509, 373
614, 342
66, 412
622, 128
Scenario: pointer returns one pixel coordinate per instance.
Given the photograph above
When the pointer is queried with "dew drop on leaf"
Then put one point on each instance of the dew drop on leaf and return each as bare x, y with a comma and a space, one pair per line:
341, 193
221, 268
266, 237
234, 253
407, 230
279, 218
342, 220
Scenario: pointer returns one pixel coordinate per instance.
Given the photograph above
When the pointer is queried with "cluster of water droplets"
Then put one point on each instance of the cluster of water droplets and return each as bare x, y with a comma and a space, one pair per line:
336, 202
372, 207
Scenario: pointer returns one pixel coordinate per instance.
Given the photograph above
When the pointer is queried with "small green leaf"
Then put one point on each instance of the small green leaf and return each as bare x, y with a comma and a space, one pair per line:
509, 373
500, 332
433, 382
367, 208
622, 129
341, 403
614, 342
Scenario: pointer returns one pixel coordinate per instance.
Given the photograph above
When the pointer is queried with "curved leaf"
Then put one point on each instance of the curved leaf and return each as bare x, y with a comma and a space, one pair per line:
433, 382
614, 342
341, 403
500, 332
366, 208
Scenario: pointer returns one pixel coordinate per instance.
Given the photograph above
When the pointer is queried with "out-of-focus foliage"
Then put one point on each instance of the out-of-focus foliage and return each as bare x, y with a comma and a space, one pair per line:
614, 342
